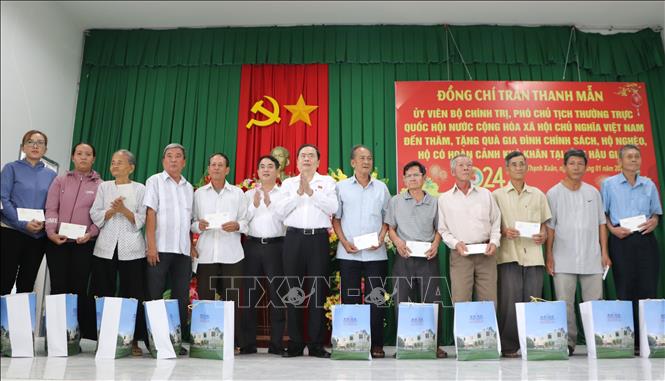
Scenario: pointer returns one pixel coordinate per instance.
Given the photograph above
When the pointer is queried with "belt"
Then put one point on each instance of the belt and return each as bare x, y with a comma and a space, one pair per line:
307, 231
265, 241
477, 243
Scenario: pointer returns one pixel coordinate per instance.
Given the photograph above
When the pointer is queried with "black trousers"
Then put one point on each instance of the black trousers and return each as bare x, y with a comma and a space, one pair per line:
178, 268
418, 280
516, 284
125, 279
225, 280
306, 267
20, 258
635, 264
69, 267
375, 273
263, 262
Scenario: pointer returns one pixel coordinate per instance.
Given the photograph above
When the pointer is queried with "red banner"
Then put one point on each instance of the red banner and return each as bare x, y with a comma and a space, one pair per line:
281, 105
486, 120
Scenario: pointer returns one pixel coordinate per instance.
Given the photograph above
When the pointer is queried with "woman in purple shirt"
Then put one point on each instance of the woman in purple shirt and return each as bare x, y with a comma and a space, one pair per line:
69, 200
24, 184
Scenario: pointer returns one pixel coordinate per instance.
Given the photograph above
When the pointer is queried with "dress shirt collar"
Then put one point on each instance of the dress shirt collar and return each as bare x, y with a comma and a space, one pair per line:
354, 179
209, 186
638, 179
511, 187
471, 189
426, 200
166, 177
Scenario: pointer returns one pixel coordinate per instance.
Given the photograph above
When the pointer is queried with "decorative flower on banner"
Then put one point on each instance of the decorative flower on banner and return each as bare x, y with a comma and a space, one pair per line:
632, 89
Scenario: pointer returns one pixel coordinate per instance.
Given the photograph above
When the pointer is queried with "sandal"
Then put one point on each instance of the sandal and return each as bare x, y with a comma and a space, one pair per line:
136, 350
378, 353
441, 354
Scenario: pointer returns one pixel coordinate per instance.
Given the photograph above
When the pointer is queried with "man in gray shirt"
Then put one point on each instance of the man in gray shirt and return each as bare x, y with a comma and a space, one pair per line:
576, 238
412, 216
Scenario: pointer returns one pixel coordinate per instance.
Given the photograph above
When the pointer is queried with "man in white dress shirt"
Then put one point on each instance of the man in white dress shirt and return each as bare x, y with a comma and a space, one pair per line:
219, 217
307, 207
168, 199
263, 257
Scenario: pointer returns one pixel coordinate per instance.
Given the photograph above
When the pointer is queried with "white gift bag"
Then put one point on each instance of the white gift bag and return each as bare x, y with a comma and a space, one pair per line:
608, 328
116, 319
652, 328
18, 313
417, 325
212, 330
351, 339
163, 323
476, 331
62, 326
543, 330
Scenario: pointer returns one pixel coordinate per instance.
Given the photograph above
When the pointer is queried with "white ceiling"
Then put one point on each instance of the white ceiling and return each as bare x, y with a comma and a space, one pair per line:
617, 15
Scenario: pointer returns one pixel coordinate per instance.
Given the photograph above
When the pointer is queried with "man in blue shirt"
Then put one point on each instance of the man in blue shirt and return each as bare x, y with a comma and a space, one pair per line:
634, 253
363, 203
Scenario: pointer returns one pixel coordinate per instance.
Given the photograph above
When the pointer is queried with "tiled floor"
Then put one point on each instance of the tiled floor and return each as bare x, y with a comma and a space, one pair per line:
265, 366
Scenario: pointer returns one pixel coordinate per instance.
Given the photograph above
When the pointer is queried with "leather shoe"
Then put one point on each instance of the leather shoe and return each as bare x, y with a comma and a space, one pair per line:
377, 352
246, 351
319, 352
183, 351
276, 351
292, 353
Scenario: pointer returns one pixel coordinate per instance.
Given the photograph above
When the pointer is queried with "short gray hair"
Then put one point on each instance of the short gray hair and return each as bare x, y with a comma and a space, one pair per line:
627, 147
130, 156
174, 145
453, 162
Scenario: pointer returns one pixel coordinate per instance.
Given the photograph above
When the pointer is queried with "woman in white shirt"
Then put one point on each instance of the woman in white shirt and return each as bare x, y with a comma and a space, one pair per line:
119, 213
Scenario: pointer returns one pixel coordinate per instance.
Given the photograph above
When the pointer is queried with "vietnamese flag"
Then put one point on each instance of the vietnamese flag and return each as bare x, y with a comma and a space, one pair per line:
281, 105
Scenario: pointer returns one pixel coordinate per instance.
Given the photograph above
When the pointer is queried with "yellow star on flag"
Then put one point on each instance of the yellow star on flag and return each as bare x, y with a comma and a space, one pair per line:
300, 111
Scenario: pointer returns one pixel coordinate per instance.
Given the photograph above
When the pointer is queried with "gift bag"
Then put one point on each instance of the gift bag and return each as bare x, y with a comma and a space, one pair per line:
116, 319
476, 331
63, 335
416, 330
652, 328
350, 338
212, 329
18, 314
163, 322
542, 330
608, 328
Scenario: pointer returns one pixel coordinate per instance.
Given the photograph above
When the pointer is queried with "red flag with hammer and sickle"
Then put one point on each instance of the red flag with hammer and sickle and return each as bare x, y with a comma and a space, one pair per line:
281, 105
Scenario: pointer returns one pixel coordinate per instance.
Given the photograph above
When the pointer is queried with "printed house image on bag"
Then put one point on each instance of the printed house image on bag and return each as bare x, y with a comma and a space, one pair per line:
416, 331
652, 328
543, 324
5, 335
476, 332
175, 333
207, 331
610, 325
350, 338
126, 324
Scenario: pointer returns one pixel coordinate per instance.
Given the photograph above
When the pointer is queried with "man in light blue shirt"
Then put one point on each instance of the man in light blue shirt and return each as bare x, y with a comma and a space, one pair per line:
363, 204
634, 254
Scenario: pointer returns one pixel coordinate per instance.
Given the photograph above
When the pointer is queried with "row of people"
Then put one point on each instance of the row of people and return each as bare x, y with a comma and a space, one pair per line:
287, 236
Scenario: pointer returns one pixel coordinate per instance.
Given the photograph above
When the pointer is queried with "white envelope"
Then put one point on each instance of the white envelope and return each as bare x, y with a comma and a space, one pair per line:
418, 248
366, 241
126, 191
25, 214
476, 248
632, 223
216, 220
527, 229
72, 231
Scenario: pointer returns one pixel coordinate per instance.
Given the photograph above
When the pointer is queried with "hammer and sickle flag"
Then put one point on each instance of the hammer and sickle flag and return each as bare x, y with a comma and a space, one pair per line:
281, 105
271, 116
